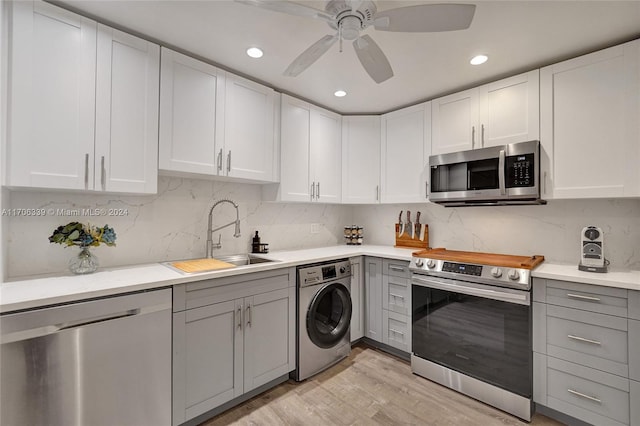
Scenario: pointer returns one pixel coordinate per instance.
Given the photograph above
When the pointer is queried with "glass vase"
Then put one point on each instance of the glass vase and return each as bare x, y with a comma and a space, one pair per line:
84, 262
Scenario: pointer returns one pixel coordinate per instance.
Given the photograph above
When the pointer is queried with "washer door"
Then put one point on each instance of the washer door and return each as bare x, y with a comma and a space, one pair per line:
329, 315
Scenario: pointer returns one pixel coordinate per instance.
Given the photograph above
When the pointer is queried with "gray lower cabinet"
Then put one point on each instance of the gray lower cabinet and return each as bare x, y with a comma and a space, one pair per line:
230, 336
357, 328
586, 351
373, 297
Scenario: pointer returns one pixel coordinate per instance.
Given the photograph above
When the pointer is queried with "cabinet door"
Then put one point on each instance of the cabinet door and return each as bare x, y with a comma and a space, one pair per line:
127, 99
406, 144
361, 159
191, 98
248, 130
373, 293
295, 184
510, 110
455, 122
269, 324
357, 299
208, 358
589, 125
325, 156
396, 330
52, 69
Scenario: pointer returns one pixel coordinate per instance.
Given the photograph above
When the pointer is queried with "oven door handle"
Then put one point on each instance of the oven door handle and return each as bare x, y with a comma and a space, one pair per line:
514, 296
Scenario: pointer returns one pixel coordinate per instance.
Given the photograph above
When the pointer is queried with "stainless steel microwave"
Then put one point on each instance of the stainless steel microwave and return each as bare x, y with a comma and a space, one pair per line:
498, 175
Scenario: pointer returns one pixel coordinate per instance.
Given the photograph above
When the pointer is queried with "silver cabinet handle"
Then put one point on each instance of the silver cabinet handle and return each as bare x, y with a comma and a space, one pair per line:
248, 311
239, 314
317, 190
426, 189
396, 268
398, 296
396, 332
544, 183
581, 297
229, 162
482, 135
313, 191
377, 192
582, 339
103, 173
473, 137
220, 161
581, 395
86, 171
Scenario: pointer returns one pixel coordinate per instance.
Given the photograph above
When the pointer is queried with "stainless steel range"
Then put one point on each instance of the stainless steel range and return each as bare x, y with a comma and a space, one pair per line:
471, 325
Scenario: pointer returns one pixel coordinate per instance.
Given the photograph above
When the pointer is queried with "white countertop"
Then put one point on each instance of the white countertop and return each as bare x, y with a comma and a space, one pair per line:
48, 290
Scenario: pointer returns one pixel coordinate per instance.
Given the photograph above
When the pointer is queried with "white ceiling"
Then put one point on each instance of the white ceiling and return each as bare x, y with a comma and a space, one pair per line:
517, 36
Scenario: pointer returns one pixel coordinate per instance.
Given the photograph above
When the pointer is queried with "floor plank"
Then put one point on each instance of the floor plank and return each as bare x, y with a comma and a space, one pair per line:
369, 387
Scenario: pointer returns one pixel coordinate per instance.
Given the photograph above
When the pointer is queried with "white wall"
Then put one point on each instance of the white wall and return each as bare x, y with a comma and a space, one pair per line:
4, 31
168, 226
552, 230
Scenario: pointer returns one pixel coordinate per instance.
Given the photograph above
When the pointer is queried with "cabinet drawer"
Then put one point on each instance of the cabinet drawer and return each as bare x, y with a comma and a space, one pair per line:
396, 294
396, 330
604, 300
586, 338
396, 268
634, 350
587, 394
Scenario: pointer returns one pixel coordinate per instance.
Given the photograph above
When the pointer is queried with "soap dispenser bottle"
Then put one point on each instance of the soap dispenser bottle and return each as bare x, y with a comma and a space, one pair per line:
255, 245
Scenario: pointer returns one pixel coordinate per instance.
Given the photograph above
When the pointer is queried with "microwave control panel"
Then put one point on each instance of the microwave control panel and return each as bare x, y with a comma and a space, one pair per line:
520, 171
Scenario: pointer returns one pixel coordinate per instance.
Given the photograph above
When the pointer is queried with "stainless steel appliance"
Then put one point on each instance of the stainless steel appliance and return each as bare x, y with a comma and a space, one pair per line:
498, 175
324, 316
471, 325
99, 362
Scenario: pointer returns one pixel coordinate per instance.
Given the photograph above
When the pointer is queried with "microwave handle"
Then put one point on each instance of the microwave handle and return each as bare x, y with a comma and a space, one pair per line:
501, 173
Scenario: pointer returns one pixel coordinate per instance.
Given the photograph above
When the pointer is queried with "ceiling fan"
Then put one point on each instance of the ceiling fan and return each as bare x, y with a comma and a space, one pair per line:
350, 17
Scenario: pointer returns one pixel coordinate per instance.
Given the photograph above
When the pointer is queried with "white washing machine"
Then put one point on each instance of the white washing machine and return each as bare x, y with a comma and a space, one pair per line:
324, 316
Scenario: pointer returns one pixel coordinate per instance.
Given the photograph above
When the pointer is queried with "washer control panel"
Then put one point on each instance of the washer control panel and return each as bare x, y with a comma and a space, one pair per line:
323, 272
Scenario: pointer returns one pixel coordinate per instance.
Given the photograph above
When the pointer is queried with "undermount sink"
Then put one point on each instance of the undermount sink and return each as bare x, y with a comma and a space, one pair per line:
243, 259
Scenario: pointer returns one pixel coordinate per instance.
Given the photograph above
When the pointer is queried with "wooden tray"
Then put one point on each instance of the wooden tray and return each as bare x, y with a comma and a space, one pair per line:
201, 265
506, 260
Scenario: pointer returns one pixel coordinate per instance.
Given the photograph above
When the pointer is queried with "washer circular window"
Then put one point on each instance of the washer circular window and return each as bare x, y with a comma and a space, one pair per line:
329, 315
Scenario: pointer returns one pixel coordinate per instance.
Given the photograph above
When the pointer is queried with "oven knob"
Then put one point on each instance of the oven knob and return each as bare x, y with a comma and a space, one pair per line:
419, 263
431, 263
514, 274
496, 272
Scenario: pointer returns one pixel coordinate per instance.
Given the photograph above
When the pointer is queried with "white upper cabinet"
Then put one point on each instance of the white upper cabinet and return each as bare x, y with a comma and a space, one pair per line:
249, 144
589, 125
127, 96
84, 104
191, 97
310, 146
497, 113
405, 149
361, 159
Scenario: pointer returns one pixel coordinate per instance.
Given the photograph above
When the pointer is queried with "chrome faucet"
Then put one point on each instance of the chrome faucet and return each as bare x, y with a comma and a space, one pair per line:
210, 231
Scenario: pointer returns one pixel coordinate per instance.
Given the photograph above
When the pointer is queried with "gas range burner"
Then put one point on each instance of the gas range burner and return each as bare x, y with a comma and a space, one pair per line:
487, 268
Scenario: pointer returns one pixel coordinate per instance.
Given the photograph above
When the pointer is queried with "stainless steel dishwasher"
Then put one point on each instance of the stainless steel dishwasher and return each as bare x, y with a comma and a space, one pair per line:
98, 362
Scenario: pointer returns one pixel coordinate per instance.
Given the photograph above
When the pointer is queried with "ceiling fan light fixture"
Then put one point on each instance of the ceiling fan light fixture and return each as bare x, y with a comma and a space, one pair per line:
478, 59
340, 93
350, 27
255, 52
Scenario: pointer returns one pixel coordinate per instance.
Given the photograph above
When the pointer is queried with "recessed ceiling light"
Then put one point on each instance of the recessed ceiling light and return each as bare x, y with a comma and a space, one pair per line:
479, 59
340, 93
255, 52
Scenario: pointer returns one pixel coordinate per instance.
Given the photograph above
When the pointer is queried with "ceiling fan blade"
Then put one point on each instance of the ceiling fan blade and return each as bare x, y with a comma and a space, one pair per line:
289, 7
426, 18
373, 59
310, 55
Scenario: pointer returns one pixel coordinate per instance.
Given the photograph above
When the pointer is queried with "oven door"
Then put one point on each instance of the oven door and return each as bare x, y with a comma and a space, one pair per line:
480, 331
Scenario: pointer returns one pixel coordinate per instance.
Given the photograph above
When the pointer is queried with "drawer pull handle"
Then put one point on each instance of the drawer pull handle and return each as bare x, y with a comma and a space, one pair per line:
582, 339
396, 296
581, 297
396, 332
396, 268
581, 395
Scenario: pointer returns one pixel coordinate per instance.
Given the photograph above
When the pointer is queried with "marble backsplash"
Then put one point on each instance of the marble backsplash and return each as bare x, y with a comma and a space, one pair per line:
172, 225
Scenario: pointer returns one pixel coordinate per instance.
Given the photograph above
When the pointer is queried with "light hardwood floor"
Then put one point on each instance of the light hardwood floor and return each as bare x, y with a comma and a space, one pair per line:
369, 387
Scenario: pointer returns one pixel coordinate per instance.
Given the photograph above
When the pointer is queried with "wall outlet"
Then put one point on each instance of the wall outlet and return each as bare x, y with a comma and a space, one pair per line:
315, 228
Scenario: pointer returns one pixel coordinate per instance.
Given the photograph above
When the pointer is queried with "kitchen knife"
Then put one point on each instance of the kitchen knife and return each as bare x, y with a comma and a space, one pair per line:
400, 224
409, 226
418, 226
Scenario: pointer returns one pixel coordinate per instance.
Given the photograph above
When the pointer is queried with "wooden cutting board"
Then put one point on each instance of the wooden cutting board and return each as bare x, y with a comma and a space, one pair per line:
201, 265
506, 260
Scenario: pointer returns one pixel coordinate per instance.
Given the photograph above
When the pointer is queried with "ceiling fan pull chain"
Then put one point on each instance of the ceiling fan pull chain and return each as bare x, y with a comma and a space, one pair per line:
340, 35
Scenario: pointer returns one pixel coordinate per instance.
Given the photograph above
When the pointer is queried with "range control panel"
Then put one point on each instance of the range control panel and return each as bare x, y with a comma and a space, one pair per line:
462, 268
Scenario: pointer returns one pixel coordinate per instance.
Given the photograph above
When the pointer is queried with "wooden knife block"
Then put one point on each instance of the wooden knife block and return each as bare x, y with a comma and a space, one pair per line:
419, 241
